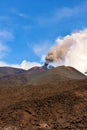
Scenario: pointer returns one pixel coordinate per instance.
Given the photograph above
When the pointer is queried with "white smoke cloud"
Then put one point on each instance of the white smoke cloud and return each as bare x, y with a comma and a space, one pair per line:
72, 50
77, 55
60, 49
27, 65
24, 64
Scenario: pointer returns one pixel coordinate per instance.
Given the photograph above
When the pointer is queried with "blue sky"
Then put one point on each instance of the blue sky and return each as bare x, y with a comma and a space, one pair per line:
28, 28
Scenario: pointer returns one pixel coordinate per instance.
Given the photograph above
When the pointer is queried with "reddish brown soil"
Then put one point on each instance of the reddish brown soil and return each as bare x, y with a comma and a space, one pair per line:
50, 107
59, 105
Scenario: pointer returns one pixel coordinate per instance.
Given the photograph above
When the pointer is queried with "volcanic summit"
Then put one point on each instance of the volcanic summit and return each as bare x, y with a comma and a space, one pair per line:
43, 99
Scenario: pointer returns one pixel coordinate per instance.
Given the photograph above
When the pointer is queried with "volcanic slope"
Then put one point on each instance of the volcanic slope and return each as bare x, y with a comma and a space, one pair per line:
41, 75
10, 71
56, 75
58, 106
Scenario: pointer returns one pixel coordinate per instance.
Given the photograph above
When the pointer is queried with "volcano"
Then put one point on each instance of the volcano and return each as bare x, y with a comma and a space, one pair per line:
43, 99
38, 75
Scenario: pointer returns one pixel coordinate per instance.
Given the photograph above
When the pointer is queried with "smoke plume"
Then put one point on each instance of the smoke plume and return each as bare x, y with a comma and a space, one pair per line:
72, 50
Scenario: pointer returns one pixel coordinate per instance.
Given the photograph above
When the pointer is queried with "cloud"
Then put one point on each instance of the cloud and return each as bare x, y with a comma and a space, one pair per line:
71, 49
77, 55
18, 13
23, 15
3, 47
43, 59
4, 64
24, 65
5, 36
3, 50
5, 18
27, 65
64, 13
27, 27
41, 49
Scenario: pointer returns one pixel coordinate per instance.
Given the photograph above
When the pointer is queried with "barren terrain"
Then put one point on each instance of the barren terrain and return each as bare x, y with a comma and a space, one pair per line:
41, 99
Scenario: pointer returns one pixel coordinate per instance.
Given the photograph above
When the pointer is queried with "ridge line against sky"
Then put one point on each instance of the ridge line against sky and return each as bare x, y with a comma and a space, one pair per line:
29, 28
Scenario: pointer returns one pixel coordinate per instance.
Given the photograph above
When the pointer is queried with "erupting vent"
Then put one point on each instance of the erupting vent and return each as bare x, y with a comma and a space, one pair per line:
46, 64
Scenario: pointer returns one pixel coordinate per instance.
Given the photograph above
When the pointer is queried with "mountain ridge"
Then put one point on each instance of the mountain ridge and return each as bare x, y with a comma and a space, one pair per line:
43, 99
36, 74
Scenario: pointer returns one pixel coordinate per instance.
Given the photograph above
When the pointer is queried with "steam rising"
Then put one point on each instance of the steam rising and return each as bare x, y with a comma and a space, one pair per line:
59, 51
72, 50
